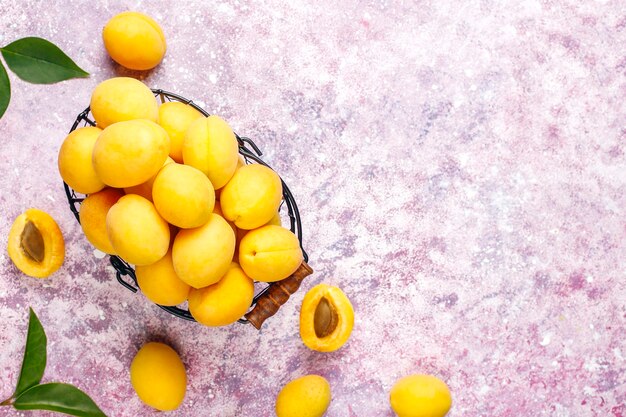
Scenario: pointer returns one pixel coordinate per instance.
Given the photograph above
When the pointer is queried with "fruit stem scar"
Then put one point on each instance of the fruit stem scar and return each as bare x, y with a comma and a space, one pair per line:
32, 242
325, 319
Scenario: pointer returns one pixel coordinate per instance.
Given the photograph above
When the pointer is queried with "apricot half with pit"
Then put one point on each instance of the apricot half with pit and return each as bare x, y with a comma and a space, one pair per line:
136, 230
93, 216
224, 302
269, 253
75, 165
36, 245
130, 153
326, 318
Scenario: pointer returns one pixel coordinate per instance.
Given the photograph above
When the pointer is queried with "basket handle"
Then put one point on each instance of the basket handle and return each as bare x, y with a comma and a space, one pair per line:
277, 295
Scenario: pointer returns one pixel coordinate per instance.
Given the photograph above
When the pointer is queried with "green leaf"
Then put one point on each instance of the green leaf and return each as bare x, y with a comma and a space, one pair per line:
39, 61
34, 362
64, 398
5, 90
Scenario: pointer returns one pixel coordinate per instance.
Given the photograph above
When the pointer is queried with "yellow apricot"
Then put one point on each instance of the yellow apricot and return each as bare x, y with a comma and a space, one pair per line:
307, 396
75, 165
202, 255
130, 153
158, 376
36, 244
183, 196
120, 99
145, 188
275, 220
270, 253
176, 117
217, 209
134, 40
210, 145
136, 230
252, 196
160, 284
326, 318
93, 215
420, 396
224, 302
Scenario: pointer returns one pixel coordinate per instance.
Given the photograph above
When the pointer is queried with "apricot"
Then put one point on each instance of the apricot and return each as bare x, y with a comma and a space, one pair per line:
75, 165
183, 196
210, 145
307, 396
176, 117
420, 396
326, 318
36, 244
252, 197
224, 302
93, 215
270, 253
158, 376
145, 188
160, 284
120, 99
202, 255
130, 153
136, 230
134, 40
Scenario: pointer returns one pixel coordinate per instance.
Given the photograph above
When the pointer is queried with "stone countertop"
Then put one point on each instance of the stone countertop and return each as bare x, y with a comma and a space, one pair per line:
461, 172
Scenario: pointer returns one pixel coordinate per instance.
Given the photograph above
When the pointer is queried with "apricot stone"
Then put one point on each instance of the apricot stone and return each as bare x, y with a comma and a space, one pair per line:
224, 302
75, 165
136, 230
326, 318
183, 196
93, 215
252, 197
270, 253
202, 255
130, 153
176, 117
120, 99
160, 284
134, 40
36, 245
210, 145
158, 376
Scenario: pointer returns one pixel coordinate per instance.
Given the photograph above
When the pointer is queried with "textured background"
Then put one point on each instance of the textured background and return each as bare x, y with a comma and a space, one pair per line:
461, 172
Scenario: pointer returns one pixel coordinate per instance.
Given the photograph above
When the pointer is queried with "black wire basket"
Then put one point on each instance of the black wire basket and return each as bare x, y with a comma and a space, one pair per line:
268, 297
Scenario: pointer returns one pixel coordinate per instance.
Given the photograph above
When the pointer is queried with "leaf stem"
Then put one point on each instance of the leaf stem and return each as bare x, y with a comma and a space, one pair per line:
8, 401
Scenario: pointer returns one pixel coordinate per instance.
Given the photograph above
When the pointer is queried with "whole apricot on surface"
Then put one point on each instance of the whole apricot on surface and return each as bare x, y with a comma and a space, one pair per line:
269, 253
75, 164
176, 117
36, 244
201, 256
183, 196
93, 215
420, 396
307, 396
158, 376
134, 40
224, 302
210, 146
136, 230
160, 284
326, 318
130, 153
252, 196
122, 98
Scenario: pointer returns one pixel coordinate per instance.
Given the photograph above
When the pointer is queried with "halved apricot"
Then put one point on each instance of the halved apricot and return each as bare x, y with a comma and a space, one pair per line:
36, 245
326, 318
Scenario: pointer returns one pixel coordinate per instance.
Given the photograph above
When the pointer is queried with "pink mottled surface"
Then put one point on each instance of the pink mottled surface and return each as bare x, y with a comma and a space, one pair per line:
461, 172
